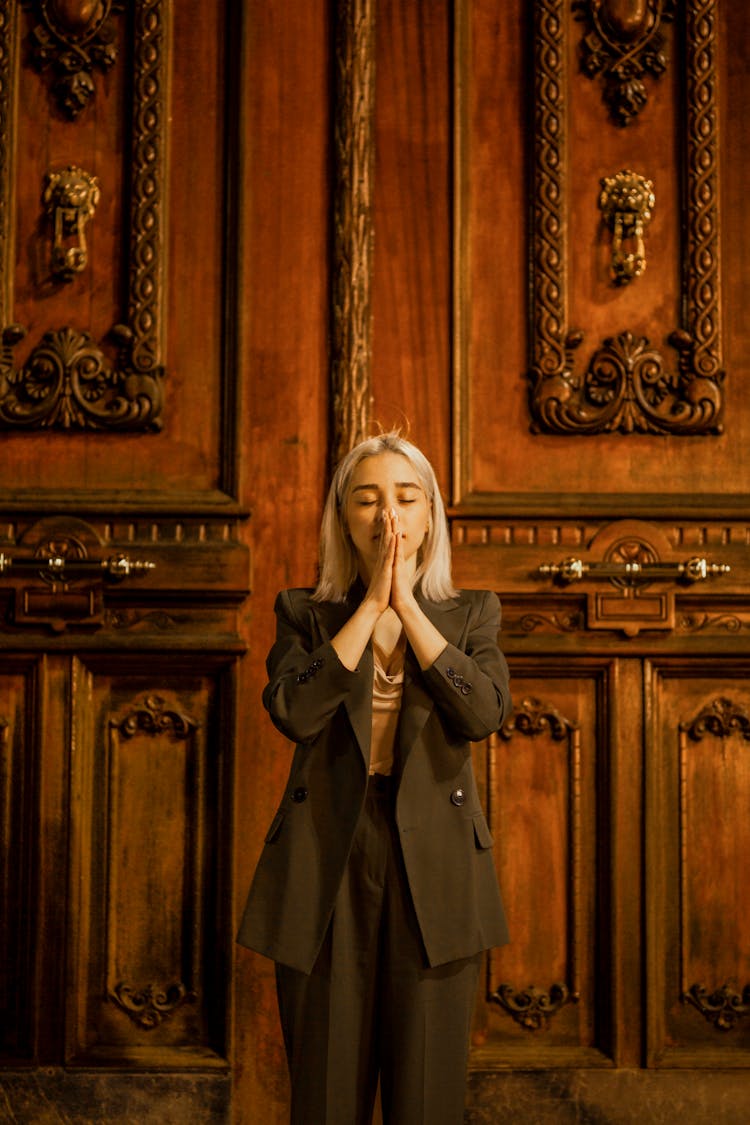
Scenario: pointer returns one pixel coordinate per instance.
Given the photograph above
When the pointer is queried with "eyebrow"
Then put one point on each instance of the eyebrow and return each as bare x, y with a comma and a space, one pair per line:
375, 487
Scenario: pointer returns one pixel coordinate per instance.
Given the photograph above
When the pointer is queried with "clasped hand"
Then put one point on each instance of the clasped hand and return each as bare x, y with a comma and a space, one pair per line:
392, 577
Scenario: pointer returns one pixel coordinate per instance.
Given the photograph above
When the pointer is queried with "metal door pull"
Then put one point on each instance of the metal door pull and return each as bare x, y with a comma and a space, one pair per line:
693, 570
58, 566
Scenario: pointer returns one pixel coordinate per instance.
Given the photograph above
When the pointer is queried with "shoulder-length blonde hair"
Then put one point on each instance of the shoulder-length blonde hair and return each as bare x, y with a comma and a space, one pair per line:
338, 557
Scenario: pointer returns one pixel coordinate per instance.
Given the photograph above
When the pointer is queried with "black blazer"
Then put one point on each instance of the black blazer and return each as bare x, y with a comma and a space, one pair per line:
327, 711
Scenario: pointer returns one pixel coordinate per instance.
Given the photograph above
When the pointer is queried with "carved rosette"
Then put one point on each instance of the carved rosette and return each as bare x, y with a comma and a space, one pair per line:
624, 41
628, 385
68, 381
353, 228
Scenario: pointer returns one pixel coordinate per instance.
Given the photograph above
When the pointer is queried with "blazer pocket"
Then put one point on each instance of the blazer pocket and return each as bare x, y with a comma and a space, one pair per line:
275, 828
482, 835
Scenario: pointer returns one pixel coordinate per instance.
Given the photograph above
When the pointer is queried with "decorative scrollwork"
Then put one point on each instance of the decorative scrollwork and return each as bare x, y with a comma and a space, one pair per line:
695, 622
67, 382
72, 39
720, 718
353, 227
533, 717
623, 43
151, 1005
627, 386
154, 717
723, 1008
532, 1007
555, 622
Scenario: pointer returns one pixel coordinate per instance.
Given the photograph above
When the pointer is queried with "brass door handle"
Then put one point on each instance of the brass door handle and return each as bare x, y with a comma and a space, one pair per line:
693, 570
58, 567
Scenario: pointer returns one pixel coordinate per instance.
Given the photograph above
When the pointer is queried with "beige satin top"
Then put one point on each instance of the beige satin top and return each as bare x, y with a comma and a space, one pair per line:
387, 689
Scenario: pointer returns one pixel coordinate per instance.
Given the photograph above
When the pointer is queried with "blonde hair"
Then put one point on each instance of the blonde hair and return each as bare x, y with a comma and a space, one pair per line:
338, 556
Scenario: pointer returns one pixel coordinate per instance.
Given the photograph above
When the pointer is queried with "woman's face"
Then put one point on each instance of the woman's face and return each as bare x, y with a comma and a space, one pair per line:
387, 480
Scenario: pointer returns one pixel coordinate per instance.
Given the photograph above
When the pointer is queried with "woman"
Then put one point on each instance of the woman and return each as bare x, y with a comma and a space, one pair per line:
376, 890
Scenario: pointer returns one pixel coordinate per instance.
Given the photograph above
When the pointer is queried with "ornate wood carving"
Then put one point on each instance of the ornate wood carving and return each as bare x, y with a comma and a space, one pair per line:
72, 38
150, 1006
153, 717
723, 1008
623, 43
627, 386
720, 718
533, 1007
68, 382
353, 229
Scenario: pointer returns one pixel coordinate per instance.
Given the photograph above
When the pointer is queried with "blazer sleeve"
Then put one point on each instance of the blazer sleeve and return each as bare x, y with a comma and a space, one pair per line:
470, 687
306, 683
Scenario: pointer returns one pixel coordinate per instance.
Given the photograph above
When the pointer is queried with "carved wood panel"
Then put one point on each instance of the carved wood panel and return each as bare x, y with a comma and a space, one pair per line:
616, 364
698, 835
150, 822
118, 349
546, 994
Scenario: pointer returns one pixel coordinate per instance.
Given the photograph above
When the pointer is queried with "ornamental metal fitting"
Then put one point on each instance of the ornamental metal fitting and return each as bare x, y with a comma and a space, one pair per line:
627, 202
70, 197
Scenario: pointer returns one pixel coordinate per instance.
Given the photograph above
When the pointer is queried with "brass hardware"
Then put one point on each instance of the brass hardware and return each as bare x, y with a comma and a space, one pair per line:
693, 570
58, 567
70, 197
627, 201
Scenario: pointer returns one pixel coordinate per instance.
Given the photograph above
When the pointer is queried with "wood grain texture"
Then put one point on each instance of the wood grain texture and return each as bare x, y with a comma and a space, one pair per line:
412, 272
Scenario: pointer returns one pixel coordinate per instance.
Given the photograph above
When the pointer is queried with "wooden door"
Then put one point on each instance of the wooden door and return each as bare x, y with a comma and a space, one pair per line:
123, 566
584, 401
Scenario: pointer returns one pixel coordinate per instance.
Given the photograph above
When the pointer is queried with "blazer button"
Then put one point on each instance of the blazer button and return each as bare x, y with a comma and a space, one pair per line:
458, 797
299, 795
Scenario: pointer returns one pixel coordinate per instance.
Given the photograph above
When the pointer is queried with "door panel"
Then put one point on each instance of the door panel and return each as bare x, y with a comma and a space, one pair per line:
698, 779
124, 563
149, 836
546, 998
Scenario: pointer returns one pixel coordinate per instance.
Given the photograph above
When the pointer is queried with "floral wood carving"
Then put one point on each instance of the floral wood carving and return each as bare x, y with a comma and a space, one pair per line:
353, 229
68, 383
151, 1005
627, 386
72, 39
532, 1007
623, 42
723, 1008
124, 393
152, 716
720, 718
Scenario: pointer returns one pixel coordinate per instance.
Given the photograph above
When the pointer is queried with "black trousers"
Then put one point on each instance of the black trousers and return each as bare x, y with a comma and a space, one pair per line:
371, 1007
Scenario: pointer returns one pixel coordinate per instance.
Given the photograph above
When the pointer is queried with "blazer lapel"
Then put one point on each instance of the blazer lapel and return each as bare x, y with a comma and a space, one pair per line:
331, 617
417, 703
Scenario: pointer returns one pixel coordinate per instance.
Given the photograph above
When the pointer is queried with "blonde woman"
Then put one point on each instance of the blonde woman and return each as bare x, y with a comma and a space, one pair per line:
376, 892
